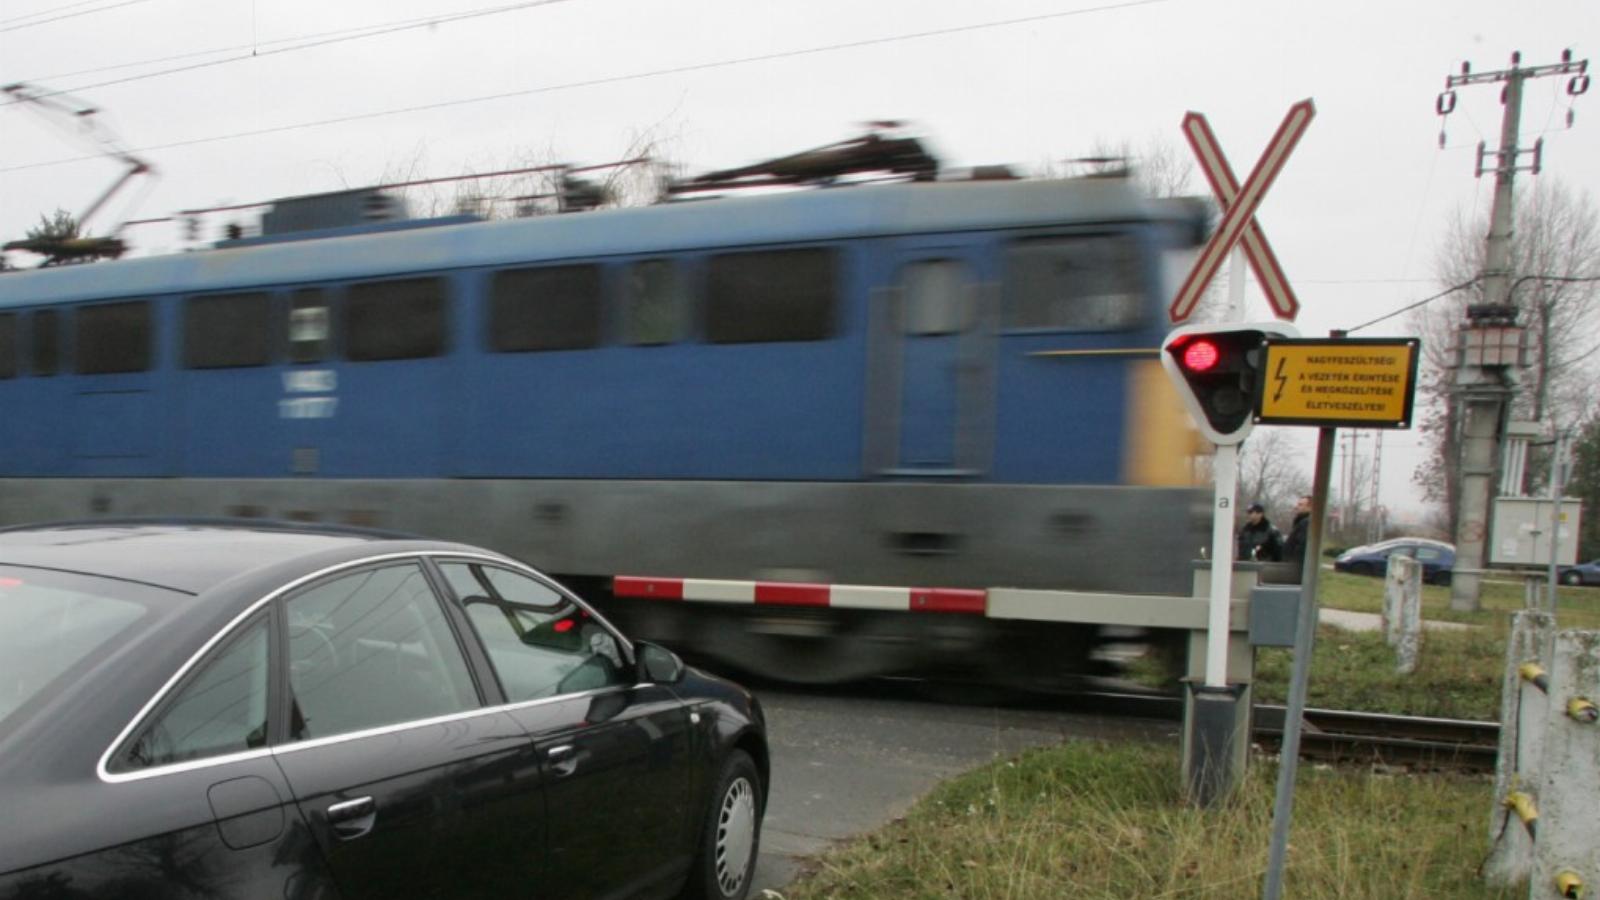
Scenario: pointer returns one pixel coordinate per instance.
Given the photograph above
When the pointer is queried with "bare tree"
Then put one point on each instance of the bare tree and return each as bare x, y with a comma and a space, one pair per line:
1556, 246
1270, 472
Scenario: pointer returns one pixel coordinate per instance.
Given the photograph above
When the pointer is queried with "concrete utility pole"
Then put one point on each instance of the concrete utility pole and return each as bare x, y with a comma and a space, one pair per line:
1491, 342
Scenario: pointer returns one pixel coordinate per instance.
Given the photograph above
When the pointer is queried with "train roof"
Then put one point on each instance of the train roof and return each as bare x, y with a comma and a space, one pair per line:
744, 221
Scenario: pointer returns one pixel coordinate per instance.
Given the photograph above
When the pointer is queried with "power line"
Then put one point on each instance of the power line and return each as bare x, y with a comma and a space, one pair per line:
613, 79
1407, 308
85, 12
380, 31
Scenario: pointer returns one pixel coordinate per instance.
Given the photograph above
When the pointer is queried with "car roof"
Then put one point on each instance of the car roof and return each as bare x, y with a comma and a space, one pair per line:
183, 555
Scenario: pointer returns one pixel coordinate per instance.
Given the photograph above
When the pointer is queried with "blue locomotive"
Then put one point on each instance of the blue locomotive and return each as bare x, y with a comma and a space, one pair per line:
939, 382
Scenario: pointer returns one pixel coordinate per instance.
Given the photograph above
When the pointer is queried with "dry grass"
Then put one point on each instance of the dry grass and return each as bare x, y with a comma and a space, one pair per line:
1090, 820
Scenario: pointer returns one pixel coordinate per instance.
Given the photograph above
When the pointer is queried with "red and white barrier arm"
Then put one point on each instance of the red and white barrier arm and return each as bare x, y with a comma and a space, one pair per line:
784, 593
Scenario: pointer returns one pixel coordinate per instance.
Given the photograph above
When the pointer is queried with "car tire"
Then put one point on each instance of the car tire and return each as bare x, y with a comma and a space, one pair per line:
1572, 578
730, 839
1363, 568
1442, 579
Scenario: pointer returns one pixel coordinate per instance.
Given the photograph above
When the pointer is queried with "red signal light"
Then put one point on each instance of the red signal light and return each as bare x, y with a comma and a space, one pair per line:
563, 626
1200, 356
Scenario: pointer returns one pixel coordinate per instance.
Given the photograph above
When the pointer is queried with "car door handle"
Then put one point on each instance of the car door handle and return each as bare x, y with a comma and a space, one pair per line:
353, 818
563, 760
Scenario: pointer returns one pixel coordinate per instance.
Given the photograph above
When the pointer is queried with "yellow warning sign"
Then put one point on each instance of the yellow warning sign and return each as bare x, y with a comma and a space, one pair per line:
1365, 382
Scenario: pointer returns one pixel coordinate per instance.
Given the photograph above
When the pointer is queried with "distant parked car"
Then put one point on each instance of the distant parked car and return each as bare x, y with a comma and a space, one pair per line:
1437, 558
1582, 573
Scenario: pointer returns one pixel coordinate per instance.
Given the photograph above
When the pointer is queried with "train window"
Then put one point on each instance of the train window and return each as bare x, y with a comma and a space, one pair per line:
113, 337
654, 310
771, 295
227, 330
45, 342
8, 345
549, 308
310, 326
937, 299
1073, 283
395, 319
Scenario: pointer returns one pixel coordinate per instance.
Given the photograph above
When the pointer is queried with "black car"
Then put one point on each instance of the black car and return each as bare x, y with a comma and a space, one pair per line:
225, 710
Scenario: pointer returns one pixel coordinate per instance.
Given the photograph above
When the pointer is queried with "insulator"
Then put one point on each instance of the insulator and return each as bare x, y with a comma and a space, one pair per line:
1516, 57
1578, 84
1445, 104
1569, 117
1566, 55
1466, 67
1441, 137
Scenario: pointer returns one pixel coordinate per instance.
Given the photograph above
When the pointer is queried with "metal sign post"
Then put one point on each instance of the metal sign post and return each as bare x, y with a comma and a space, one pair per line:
1304, 639
1327, 383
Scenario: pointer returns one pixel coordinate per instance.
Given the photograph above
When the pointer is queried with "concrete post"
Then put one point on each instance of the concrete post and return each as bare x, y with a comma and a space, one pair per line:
1522, 714
1402, 611
1569, 786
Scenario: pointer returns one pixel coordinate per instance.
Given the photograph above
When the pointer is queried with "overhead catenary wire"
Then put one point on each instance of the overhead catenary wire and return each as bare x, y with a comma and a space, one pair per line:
50, 11
74, 15
319, 41
615, 79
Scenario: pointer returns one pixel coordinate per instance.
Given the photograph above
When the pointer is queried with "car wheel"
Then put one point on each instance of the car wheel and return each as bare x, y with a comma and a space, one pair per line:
1573, 578
731, 836
1442, 579
1363, 568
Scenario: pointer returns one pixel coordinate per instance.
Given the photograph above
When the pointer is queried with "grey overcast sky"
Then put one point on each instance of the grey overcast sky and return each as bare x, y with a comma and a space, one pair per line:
1355, 217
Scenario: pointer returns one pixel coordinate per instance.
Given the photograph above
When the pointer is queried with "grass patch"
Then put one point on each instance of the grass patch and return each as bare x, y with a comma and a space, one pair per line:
1458, 674
1577, 607
1091, 820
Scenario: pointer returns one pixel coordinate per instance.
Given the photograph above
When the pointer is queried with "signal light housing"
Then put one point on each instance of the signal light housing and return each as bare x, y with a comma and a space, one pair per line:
1217, 371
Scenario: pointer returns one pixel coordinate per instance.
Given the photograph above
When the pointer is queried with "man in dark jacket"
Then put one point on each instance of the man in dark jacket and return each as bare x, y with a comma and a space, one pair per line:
1258, 540
1294, 547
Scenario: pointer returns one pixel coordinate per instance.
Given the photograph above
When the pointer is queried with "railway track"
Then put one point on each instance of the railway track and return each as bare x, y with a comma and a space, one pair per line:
1329, 735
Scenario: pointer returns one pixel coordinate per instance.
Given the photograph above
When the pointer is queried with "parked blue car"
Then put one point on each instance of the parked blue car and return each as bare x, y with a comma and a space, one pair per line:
1437, 558
1582, 573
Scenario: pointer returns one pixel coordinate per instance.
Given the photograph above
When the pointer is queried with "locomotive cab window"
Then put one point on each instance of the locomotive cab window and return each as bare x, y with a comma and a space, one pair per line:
113, 338
771, 295
227, 331
937, 298
310, 326
1073, 284
548, 308
44, 342
654, 303
8, 345
402, 319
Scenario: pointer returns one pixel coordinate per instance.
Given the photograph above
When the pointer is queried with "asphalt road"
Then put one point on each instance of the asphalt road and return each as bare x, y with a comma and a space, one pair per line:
845, 763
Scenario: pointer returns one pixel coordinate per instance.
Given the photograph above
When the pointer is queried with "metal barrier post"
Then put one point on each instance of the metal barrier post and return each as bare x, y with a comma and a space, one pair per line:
1523, 705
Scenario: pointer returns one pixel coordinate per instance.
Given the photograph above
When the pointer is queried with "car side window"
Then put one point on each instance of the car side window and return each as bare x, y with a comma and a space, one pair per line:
1429, 554
540, 643
369, 649
221, 709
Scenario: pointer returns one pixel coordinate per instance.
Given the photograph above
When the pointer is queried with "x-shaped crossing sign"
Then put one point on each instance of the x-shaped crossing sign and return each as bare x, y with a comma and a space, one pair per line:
1238, 223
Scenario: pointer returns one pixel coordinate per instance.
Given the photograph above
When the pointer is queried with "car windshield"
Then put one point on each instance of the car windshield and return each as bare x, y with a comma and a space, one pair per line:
51, 622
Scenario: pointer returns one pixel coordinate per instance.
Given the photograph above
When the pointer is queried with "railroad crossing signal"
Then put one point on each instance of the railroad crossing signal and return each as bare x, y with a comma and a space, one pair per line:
1238, 223
1217, 369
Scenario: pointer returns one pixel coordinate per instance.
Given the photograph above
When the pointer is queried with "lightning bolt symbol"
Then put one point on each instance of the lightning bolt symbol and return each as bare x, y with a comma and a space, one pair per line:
1281, 379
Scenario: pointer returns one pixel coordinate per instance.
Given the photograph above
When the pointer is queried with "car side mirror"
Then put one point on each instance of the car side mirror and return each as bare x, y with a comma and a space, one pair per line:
658, 664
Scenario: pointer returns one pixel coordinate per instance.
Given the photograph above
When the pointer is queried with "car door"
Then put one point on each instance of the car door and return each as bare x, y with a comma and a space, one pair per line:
221, 817
616, 755
409, 786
